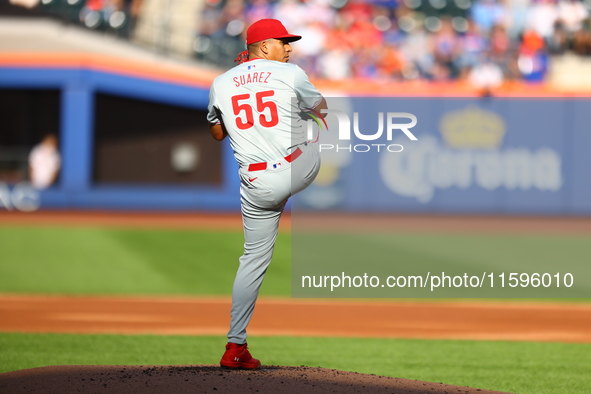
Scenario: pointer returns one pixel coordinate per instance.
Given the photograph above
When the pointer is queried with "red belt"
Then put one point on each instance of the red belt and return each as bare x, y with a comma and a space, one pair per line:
263, 166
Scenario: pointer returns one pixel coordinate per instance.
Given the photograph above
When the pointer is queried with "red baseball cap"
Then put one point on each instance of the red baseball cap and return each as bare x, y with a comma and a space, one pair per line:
268, 28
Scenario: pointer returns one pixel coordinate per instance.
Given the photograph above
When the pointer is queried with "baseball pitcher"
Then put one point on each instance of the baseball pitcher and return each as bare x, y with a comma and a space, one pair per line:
258, 105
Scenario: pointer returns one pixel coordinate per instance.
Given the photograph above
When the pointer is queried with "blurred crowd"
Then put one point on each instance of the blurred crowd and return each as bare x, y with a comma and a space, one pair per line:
113, 16
485, 41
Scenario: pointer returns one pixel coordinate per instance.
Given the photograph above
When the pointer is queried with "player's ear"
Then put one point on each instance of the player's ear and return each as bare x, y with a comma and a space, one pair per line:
264, 47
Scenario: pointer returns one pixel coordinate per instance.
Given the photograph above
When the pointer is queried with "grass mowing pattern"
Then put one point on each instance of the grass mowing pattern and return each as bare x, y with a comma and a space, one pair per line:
522, 367
117, 261
382, 254
152, 262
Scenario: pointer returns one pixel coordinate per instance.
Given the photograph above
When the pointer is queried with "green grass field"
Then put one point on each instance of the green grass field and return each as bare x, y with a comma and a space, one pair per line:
115, 261
163, 262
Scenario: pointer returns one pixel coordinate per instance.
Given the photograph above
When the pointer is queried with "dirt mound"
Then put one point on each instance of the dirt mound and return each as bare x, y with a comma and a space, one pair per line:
128, 379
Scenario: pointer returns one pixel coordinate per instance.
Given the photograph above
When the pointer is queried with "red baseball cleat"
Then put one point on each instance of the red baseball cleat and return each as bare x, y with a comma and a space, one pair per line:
238, 356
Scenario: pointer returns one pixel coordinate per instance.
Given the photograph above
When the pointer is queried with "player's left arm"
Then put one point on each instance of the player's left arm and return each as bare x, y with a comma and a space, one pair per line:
321, 105
310, 98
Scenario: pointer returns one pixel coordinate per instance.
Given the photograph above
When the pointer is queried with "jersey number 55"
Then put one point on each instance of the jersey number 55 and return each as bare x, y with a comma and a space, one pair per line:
240, 103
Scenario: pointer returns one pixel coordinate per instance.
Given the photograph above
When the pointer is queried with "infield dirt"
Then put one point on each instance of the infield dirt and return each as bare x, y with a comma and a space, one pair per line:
318, 221
477, 320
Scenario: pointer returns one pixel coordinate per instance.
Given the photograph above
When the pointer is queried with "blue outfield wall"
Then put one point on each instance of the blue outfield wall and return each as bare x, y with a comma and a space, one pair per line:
75, 189
473, 155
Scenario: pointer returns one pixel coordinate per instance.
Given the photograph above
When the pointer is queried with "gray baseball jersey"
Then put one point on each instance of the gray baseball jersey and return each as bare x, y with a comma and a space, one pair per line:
259, 103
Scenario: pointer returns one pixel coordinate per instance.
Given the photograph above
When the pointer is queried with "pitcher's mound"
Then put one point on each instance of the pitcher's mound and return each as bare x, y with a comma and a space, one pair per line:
131, 379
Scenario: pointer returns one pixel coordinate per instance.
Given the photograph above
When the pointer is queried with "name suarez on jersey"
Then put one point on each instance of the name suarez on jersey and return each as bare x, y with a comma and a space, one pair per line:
260, 77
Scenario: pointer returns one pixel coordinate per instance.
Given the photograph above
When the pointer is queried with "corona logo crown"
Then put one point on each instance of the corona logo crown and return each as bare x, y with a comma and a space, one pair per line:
472, 128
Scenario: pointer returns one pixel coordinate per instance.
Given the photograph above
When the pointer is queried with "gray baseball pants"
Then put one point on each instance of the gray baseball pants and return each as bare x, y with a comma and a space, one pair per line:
263, 195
